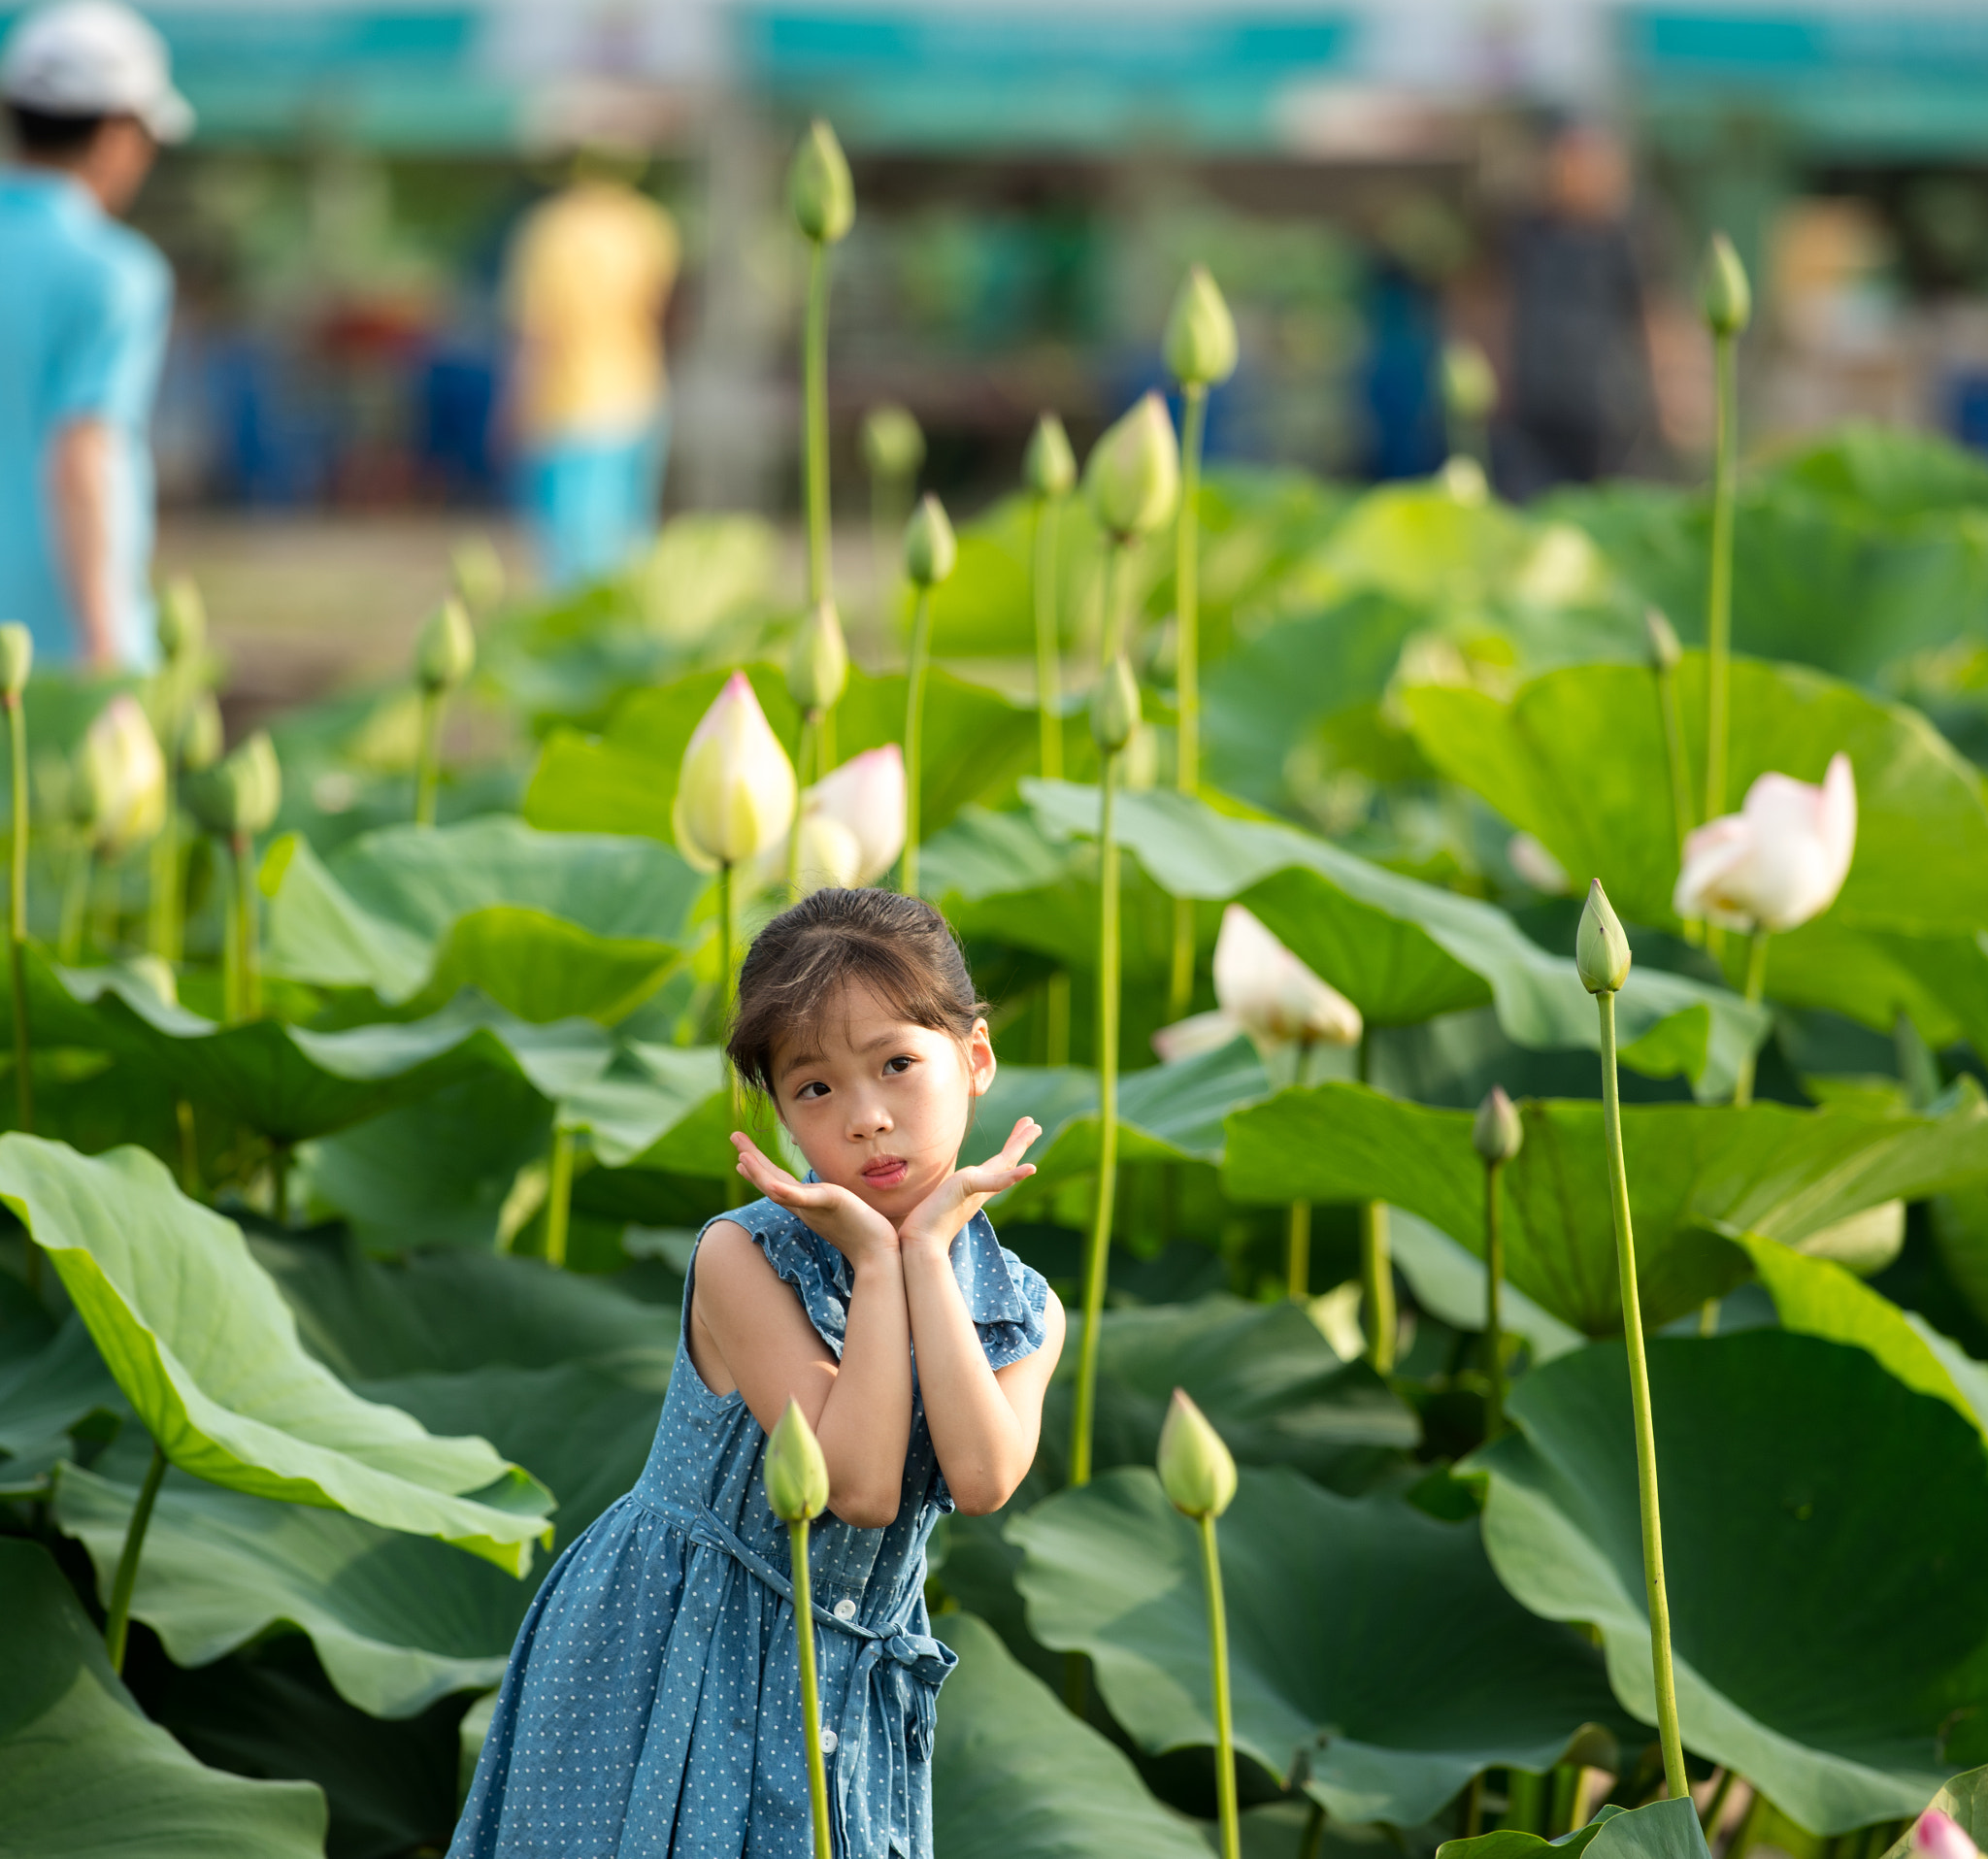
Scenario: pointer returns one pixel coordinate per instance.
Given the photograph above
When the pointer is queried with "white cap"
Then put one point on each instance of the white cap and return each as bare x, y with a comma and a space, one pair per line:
94, 58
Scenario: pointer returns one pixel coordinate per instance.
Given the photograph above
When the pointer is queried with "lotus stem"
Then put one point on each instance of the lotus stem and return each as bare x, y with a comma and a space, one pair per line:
811, 1684
1188, 670
914, 732
1218, 1659
815, 385
1756, 989
1718, 598
1377, 1314
162, 906
1663, 1674
824, 742
189, 1148
807, 747
1298, 1251
75, 903
118, 1620
1715, 1805
247, 967
16, 932
725, 979
559, 1195
1525, 1800
1048, 674
428, 758
1680, 772
1494, 1289
1312, 1844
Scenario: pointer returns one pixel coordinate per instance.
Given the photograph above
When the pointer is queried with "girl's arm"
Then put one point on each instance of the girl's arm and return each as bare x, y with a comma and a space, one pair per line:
750, 1320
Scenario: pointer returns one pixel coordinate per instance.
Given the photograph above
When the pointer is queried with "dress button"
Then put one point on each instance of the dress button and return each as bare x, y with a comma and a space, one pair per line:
828, 1743
846, 1610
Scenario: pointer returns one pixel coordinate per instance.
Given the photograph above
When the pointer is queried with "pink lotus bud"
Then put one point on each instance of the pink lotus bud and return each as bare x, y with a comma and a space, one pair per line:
1777, 862
863, 801
735, 796
1939, 1836
1277, 999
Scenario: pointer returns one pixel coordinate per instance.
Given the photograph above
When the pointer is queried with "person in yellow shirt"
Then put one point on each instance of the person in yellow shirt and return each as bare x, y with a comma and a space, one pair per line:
589, 274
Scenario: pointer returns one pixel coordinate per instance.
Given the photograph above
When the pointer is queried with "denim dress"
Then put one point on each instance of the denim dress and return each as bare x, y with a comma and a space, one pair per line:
652, 1708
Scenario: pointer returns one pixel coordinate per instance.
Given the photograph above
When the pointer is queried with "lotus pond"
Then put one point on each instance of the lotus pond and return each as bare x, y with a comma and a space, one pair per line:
372, 1100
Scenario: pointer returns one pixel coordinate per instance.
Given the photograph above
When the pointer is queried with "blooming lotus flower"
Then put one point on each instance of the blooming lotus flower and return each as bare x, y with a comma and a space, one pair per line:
851, 823
1939, 1836
1777, 862
1265, 991
124, 777
735, 796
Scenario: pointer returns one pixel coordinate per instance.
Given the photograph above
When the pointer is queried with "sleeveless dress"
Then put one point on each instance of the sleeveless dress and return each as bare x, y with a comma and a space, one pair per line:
652, 1708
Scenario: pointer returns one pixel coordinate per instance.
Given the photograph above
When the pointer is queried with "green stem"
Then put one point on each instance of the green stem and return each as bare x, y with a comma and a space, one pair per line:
1662, 1675
1377, 1315
1049, 677
725, 979
249, 967
280, 1185
1312, 1844
1716, 1806
824, 742
1187, 591
1097, 1262
162, 906
1056, 1011
1742, 1841
75, 903
428, 758
1218, 1659
189, 1148
1525, 1801
1494, 1287
914, 732
1298, 1251
559, 1195
1680, 774
117, 1623
1180, 965
811, 1684
1756, 989
16, 928
1718, 598
809, 744
815, 366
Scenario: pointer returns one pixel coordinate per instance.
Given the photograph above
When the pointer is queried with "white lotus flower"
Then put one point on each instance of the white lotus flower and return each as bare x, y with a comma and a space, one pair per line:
1777, 862
851, 823
1265, 991
735, 796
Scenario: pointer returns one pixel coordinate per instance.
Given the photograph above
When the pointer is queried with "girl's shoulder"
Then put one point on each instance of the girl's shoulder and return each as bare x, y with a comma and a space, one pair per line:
820, 1274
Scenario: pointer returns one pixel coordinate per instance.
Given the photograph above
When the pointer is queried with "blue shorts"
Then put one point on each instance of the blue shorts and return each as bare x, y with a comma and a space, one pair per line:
591, 504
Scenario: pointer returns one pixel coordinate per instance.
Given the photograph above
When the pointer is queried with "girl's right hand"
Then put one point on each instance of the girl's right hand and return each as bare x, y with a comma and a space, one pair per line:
854, 1228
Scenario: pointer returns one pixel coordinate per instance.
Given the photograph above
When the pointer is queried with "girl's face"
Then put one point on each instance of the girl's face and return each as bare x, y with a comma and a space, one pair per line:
878, 1105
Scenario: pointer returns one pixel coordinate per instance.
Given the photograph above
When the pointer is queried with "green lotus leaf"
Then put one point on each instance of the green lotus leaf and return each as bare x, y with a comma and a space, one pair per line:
1013, 1772
1662, 1830
625, 780
47, 1391
1696, 1172
206, 1351
81, 1771
1449, 1282
1859, 1501
1401, 951
1578, 760
1348, 1620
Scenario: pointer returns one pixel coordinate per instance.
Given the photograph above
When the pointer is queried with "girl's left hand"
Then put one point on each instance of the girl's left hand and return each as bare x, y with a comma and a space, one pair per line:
941, 1214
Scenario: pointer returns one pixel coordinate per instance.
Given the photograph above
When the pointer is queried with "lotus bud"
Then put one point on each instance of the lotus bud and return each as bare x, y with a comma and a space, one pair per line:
477, 570
1271, 995
819, 191
830, 854
1601, 950
1115, 706
796, 1473
1498, 1133
1049, 467
200, 737
238, 795
183, 620
16, 658
1133, 474
1940, 1836
930, 550
893, 445
1197, 1470
735, 793
1200, 343
1723, 292
818, 662
125, 775
445, 649
1665, 652
1469, 388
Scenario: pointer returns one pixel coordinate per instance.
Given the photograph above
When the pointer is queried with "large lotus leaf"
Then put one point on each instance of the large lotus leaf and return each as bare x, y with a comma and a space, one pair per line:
47, 1391
1578, 758
1821, 1522
83, 1775
397, 1621
206, 1351
1013, 1772
1366, 1637
1964, 1800
1662, 1830
651, 1091
1401, 951
551, 925
625, 780
1695, 1172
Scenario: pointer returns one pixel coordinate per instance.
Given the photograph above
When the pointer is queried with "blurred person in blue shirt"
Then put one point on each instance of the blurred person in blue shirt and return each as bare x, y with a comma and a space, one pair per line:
83, 318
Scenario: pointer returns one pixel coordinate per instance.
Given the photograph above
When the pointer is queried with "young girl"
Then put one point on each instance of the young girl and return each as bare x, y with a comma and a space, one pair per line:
651, 1705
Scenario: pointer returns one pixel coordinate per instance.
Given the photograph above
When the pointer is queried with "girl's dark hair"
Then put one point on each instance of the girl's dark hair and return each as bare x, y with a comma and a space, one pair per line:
899, 947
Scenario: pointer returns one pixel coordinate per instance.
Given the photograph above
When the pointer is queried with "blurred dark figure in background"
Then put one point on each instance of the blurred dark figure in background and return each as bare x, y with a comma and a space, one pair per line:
590, 272
1418, 246
84, 305
1579, 401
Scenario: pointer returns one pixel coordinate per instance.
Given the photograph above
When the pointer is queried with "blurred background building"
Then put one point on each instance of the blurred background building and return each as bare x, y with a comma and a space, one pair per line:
1033, 175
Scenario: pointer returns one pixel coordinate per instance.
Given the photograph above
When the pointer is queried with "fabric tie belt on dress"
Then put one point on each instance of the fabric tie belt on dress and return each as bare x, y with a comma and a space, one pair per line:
897, 1677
